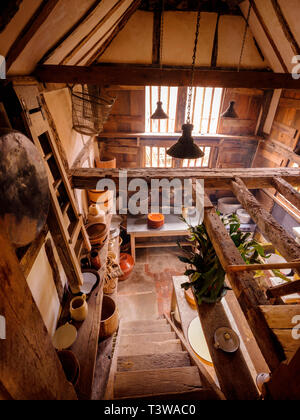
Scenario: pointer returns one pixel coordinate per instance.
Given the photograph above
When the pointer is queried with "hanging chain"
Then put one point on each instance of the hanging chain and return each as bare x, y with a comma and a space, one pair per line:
245, 35
161, 33
161, 41
190, 90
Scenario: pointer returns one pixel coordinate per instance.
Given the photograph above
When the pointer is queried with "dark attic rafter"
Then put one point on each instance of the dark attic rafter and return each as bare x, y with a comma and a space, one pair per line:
224, 7
121, 23
285, 27
29, 31
8, 9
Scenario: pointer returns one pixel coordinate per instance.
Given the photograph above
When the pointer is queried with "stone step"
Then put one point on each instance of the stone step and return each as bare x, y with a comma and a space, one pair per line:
151, 337
157, 382
153, 361
132, 349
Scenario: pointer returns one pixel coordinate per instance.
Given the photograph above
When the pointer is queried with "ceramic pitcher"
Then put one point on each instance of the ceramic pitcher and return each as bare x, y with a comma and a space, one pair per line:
79, 308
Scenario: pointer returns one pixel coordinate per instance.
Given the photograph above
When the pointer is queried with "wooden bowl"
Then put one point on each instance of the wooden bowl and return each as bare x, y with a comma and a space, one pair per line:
97, 233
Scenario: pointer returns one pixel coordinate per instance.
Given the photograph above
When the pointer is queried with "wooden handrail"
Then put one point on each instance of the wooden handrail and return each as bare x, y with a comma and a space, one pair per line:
203, 372
257, 267
284, 289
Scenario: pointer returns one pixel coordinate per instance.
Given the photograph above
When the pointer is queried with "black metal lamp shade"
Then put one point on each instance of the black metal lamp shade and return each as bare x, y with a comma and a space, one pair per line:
185, 148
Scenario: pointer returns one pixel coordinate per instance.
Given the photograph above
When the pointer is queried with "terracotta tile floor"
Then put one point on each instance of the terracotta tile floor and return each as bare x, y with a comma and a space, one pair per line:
152, 275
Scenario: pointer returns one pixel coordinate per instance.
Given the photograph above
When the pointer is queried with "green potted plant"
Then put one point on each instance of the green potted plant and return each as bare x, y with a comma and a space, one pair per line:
207, 276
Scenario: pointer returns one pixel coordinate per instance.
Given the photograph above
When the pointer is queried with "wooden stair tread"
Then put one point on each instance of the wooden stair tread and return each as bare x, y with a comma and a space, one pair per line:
142, 338
153, 361
205, 394
144, 322
150, 328
148, 348
156, 382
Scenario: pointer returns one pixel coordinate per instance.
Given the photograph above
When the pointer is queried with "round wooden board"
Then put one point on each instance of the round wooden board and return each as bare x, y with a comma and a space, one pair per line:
24, 188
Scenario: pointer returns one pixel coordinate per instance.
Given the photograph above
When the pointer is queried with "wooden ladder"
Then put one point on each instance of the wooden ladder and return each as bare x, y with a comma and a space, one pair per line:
65, 223
152, 361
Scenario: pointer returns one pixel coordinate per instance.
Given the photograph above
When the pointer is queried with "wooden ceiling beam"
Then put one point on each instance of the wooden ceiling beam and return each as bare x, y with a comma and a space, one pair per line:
29, 31
285, 27
59, 43
118, 28
92, 32
87, 178
136, 75
268, 35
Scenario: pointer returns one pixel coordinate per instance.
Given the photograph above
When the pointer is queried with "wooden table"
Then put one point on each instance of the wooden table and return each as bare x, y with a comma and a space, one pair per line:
137, 228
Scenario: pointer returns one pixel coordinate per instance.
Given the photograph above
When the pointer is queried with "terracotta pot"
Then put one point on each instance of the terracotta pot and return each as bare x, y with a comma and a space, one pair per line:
126, 264
95, 260
70, 365
155, 221
109, 317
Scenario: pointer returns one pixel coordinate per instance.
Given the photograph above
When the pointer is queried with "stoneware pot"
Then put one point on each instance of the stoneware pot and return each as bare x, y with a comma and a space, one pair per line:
126, 264
79, 308
70, 365
109, 317
95, 260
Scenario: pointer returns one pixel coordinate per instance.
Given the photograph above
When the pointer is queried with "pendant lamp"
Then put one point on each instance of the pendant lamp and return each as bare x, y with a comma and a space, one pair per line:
230, 111
185, 148
159, 113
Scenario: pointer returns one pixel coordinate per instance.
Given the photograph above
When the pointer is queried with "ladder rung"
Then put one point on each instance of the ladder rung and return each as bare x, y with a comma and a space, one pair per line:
66, 207
48, 156
57, 184
74, 235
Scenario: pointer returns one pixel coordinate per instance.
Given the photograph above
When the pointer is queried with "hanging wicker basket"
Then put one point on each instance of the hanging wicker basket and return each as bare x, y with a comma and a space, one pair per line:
90, 109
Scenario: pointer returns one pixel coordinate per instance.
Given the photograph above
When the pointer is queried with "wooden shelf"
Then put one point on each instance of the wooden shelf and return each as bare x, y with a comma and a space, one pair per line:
85, 347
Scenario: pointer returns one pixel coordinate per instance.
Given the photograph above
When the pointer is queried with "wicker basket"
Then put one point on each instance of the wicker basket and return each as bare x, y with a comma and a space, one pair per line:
90, 109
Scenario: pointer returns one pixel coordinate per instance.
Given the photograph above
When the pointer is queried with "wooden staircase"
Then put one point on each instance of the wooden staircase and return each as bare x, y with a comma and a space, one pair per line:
152, 361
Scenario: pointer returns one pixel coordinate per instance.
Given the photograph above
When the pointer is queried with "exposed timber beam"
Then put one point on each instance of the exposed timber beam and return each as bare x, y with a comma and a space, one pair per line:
285, 27
285, 189
118, 28
87, 178
92, 32
279, 148
284, 289
245, 287
71, 31
268, 35
266, 223
29, 31
168, 76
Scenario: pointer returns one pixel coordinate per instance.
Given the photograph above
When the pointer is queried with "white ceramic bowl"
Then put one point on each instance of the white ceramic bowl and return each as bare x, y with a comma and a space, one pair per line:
228, 205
